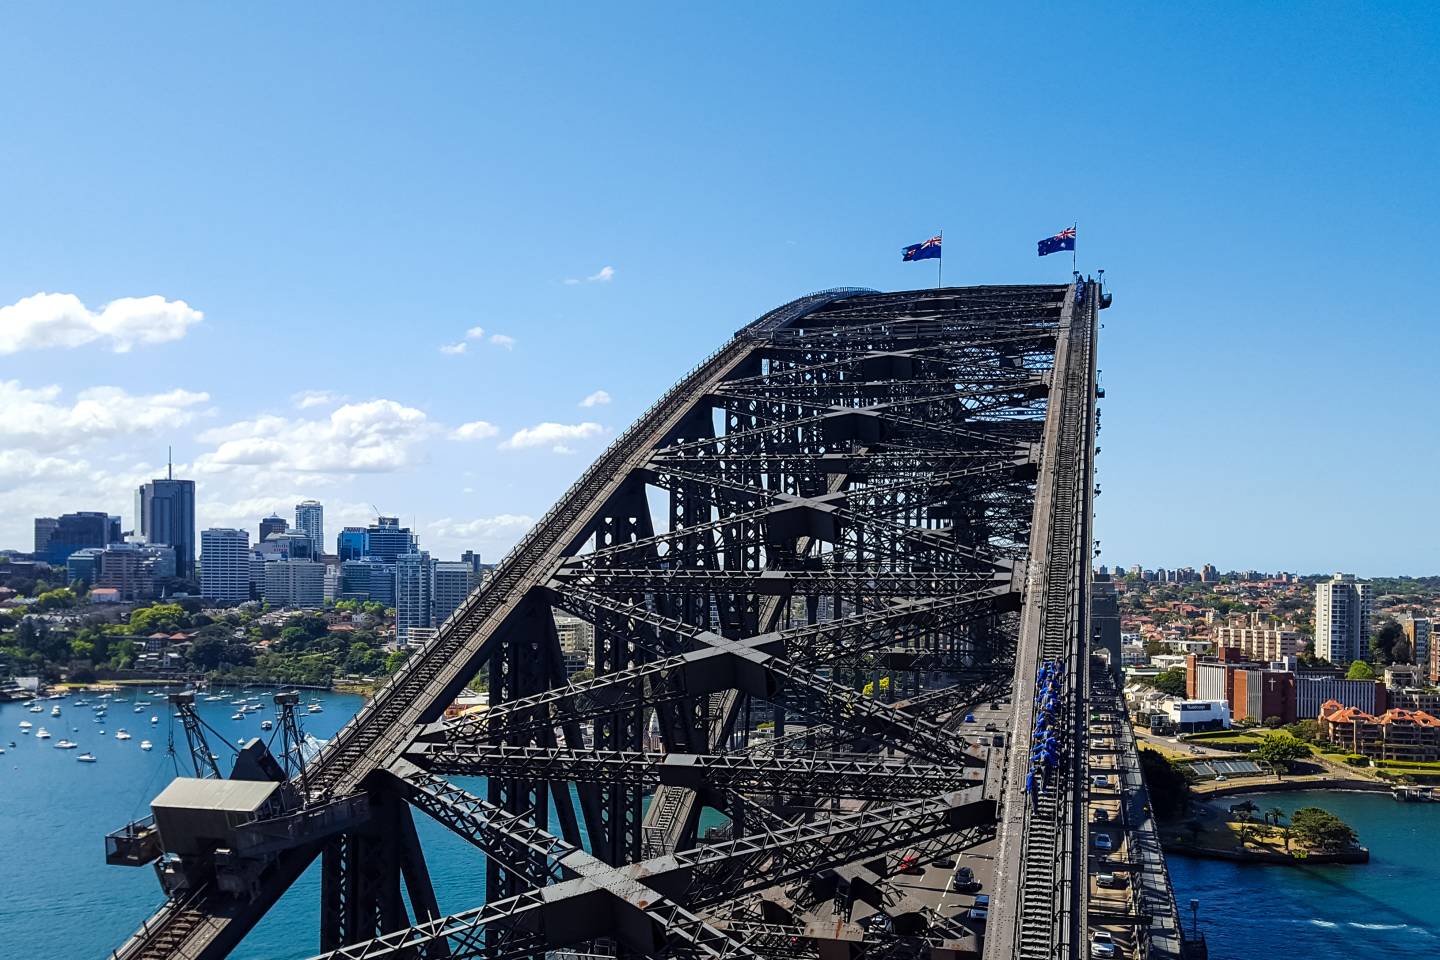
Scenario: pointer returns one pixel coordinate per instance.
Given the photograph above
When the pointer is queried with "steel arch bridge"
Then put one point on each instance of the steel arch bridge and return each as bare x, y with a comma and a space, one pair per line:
804, 566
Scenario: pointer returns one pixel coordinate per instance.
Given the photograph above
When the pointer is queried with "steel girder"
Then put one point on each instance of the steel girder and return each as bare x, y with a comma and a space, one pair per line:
846, 493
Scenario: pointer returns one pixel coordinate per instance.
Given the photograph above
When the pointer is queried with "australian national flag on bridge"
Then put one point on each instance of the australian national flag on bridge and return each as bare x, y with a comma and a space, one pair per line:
928, 250
1064, 240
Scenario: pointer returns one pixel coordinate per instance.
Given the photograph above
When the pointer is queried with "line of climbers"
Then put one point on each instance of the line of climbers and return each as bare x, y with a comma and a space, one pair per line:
1044, 743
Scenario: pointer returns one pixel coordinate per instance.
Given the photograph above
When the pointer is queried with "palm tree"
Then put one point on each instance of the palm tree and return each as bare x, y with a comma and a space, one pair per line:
1274, 815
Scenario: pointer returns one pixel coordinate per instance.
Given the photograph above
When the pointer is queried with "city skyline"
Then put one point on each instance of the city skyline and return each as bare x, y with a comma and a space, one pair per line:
450, 318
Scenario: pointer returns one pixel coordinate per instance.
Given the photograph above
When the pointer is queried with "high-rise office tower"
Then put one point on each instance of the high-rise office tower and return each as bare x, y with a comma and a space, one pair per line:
310, 520
165, 513
414, 593
272, 524
385, 539
44, 530
1342, 618
350, 544
453, 583
69, 532
225, 565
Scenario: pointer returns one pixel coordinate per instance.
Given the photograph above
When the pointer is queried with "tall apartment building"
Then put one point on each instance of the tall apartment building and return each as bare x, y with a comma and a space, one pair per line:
1343, 606
453, 582
414, 593
372, 580
577, 642
295, 583
1417, 634
225, 565
133, 569
165, 514
385, 539
1257, 640
310, 520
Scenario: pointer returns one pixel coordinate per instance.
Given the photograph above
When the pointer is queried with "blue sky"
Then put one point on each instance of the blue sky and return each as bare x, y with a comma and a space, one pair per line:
344, 189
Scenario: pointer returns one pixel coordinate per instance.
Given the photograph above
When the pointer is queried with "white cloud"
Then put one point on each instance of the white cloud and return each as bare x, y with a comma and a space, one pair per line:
371, 437
39, 419
454, 348
604, 275
306, 399
474, 333
500, 340
483, 528
474, 430
597, 399
552, 435
61, 320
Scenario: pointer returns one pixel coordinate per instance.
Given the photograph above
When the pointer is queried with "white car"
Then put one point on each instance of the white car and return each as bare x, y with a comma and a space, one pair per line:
1102, 944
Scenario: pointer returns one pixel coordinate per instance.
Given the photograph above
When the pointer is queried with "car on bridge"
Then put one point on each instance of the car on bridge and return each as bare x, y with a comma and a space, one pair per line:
1102, 841
1102, 944
1113, 881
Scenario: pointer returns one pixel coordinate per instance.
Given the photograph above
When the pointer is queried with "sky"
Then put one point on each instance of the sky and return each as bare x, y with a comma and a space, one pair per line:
430, 259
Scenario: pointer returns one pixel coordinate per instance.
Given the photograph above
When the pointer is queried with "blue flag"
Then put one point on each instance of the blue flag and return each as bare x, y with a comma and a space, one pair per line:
928, 250
1064, 240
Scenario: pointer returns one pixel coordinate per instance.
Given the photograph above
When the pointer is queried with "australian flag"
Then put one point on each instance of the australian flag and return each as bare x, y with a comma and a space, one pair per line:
928, 250
1064, 240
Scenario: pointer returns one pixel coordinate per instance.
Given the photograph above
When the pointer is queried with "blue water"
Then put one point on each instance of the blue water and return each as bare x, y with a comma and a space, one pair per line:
61, 900
1388, 908
57, 890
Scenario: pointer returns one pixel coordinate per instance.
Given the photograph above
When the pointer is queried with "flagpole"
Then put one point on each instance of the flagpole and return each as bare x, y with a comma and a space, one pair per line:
940, 261
1074, 247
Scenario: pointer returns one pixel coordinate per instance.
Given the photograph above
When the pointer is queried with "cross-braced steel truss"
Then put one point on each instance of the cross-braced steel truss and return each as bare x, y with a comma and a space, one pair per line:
796, 572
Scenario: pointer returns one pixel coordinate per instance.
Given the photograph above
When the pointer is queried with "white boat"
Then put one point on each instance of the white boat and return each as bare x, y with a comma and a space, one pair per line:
86, 758
139, 709
238, 716
314, 708
66, 745
266, 724
42, 734
55, 710
154, 719
36, 708
213, 699
146, 745
121, 734
26, 725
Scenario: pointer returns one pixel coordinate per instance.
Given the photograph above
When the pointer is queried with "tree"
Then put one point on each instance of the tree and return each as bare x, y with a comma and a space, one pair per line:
1388, 643
162, 617
1360, 670
1170, 681
1280, 750
1321, 829
1274, 816
207, 652
1168, 790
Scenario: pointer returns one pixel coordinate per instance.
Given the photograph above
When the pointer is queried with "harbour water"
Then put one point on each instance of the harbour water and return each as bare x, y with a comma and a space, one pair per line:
62, 901
1388, 908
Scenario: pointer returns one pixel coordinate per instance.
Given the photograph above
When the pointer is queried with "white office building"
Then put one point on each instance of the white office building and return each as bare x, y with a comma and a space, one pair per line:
453, 582
225, 565
295, 583
1343, 606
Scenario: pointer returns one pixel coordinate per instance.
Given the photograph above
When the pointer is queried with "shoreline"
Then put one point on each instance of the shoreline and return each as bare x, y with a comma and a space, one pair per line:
1267, 858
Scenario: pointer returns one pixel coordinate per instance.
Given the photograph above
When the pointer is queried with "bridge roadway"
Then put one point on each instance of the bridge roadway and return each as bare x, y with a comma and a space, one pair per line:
207, 925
